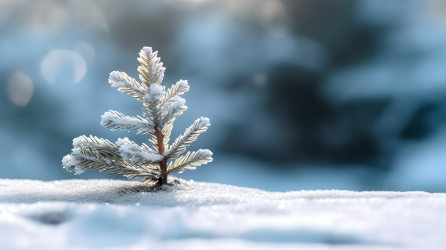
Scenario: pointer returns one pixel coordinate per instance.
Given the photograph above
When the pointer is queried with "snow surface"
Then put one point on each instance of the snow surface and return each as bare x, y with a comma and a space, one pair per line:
111, 214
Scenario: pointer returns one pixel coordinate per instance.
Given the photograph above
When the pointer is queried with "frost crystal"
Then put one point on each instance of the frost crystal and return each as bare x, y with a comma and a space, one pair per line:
160, 107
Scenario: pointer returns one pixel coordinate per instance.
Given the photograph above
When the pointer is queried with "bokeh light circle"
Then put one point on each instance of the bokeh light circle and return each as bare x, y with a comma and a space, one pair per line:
63, 66
20, 89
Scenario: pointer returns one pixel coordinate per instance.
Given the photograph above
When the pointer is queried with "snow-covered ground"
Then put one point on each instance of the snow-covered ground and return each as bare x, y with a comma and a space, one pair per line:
111, 214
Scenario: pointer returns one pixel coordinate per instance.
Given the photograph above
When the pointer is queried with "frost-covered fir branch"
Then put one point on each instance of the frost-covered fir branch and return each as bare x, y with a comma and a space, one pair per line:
189, 136
115, 120
128, 85
176, 90
190, 161
160, 108
98, 154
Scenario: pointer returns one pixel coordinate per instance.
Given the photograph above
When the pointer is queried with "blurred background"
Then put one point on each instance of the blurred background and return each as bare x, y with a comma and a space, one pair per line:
321, 94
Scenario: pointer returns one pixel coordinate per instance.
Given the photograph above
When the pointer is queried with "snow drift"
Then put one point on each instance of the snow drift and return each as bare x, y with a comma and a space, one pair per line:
85, 214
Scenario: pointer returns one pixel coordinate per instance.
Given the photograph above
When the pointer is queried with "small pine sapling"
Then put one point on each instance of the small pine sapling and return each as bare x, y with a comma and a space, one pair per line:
160, 108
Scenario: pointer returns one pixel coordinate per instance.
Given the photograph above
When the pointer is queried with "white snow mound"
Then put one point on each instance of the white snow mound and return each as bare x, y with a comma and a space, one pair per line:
111, 214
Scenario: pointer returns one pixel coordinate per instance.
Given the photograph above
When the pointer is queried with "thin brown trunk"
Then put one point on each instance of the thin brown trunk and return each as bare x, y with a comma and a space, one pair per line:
163, 164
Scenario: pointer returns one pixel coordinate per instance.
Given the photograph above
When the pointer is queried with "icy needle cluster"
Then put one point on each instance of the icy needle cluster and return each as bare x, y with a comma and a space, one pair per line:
160, 107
